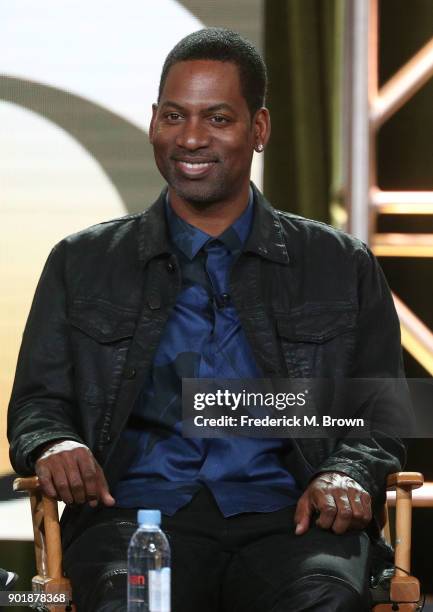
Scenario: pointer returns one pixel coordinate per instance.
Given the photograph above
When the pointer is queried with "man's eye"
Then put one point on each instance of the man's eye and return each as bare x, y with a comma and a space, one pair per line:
219, 119
173, 116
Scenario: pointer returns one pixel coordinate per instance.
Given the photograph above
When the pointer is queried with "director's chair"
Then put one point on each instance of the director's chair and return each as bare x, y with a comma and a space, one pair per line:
397, 591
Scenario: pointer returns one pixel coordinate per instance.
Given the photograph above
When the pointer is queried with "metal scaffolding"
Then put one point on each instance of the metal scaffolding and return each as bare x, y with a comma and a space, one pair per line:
368, 108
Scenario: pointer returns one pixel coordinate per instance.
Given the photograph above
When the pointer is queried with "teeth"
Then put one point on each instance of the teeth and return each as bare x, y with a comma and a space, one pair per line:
196, 164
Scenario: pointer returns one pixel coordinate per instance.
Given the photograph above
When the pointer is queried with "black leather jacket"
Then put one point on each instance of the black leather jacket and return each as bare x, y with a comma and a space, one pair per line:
312, 301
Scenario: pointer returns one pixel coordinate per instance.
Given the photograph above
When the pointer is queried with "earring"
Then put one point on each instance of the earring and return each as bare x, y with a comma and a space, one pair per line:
259, 147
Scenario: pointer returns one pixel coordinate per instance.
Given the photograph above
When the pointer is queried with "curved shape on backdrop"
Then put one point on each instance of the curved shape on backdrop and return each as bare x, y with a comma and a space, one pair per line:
120, 147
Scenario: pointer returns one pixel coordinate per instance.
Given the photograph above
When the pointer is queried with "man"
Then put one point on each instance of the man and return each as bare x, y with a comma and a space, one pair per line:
208, 282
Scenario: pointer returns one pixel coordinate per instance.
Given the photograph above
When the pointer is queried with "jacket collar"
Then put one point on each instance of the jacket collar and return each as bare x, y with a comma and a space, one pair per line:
153, 233
265, 238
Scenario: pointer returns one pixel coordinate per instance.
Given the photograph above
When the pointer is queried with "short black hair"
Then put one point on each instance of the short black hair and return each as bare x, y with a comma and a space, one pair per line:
223, 45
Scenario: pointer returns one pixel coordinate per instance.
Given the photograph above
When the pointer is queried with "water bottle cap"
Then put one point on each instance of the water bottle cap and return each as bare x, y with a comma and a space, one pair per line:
149, 517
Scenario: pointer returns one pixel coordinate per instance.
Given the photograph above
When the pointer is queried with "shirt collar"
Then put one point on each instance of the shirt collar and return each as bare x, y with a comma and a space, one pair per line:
190, 239
265, 239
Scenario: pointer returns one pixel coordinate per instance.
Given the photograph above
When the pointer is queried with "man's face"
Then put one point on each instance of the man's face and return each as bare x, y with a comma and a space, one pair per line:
202, 132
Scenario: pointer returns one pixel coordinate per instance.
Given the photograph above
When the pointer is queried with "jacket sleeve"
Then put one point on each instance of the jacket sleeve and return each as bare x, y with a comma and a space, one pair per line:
41, 407
378, 354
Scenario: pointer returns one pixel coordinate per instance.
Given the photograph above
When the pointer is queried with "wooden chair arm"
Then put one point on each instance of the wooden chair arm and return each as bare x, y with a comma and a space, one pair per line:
404, 488
411, 480
46, 528
47, 539
404, 588
29, 484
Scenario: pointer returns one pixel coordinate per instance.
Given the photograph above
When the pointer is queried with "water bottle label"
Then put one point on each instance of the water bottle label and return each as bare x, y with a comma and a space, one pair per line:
159, 590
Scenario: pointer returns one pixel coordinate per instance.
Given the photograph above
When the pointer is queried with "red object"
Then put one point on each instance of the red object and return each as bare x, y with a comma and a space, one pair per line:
136, 580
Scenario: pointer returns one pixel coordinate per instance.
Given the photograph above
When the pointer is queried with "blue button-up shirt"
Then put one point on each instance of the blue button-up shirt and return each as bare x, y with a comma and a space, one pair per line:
202, 338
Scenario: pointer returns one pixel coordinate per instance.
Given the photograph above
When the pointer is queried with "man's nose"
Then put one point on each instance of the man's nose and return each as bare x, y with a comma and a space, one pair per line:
193, 135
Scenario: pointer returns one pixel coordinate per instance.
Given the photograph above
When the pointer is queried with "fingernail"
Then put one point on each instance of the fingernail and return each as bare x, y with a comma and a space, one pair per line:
298, 529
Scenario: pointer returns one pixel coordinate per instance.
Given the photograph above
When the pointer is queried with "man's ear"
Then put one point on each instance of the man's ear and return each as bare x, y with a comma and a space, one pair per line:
262, 127
152, 122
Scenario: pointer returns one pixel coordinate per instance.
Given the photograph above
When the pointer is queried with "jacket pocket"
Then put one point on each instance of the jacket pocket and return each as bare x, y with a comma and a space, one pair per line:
102, 321
101, 335
317, 340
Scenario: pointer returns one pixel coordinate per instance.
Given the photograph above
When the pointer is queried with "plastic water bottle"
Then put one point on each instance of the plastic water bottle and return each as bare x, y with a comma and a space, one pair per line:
149, 566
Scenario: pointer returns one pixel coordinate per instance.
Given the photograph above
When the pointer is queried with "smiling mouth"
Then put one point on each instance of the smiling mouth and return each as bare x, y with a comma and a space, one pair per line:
194, 169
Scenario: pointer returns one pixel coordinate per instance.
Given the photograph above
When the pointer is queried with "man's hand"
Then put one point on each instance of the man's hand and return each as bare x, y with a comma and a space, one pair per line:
341, 502
69, 472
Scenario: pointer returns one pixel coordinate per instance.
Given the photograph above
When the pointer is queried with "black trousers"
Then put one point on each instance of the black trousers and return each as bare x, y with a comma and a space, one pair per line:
252, 562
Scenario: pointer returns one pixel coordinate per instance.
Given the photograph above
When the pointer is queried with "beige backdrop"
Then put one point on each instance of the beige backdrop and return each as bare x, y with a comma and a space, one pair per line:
75, 103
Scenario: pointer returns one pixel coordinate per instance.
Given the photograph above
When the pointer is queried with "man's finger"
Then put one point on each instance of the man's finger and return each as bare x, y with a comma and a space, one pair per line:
358, 510
327, 508
73, 473
87, 467
102, 488
361, 508
45, 479
366, 502
302, 515
343, 516
61, 482
360, 513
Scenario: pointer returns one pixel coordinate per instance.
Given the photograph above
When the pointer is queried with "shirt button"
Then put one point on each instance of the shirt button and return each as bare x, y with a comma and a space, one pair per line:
170, 267
130, 373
